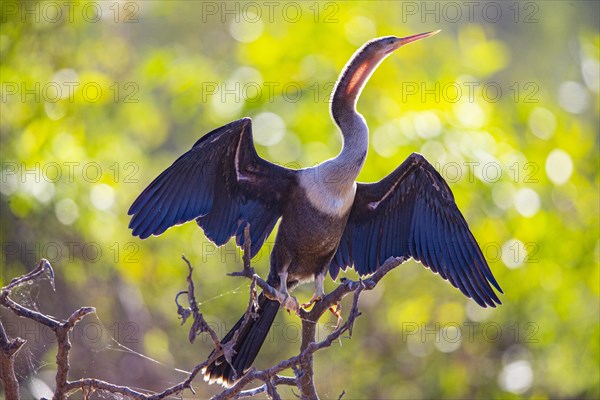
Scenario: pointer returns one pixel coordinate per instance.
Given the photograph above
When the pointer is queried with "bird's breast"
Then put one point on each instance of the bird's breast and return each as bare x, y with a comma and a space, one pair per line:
328, 197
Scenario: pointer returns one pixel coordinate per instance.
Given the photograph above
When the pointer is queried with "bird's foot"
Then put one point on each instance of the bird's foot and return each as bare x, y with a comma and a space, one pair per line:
319, 291
335, 310
312, 301
288, 302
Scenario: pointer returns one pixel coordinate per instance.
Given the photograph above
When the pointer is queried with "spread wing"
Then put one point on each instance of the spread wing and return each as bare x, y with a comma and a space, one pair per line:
222, 183
412, 213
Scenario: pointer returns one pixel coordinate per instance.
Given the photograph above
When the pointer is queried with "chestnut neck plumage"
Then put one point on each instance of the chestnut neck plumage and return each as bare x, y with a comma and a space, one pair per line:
352, 125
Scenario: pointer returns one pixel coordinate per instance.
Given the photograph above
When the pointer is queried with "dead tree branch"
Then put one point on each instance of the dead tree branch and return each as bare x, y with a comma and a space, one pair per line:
302, 364
61, 329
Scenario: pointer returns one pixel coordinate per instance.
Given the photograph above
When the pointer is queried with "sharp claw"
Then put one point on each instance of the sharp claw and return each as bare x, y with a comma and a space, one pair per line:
335, 310
289, 303
312, 301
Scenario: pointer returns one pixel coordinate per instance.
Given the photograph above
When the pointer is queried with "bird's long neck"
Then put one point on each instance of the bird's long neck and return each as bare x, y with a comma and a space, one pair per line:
353, 127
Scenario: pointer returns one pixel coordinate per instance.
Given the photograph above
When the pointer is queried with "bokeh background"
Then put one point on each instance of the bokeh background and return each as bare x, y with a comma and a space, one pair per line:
99, 97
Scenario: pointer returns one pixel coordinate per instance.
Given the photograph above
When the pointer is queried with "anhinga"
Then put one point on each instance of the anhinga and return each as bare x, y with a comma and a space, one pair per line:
328, 220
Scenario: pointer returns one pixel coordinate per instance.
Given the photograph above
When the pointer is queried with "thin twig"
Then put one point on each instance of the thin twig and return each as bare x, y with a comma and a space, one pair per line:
43, 266
248, 272
199, 325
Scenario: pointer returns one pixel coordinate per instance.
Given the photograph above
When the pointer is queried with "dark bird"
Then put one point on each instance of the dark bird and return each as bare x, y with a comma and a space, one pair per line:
328, 220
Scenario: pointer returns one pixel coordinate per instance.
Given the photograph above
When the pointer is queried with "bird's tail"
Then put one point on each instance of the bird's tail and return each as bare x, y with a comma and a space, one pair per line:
247, 345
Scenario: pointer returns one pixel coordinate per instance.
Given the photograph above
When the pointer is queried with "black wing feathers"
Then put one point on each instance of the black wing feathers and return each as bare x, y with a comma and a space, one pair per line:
222, 183
412, 213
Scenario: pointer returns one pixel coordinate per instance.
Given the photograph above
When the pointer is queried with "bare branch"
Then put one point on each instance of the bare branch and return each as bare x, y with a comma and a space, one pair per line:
62, 331
89, 384
43, 266
187, 384
272, 390
199, 325
302, 363
8, 350
21, 311
277, 380
248, 272
251, 392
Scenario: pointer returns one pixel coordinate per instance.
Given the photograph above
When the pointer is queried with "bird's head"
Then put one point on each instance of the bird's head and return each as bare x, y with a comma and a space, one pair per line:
362, 64
385, 45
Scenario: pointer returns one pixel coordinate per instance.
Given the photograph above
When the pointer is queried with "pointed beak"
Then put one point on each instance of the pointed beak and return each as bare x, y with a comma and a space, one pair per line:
414, 38
409, 39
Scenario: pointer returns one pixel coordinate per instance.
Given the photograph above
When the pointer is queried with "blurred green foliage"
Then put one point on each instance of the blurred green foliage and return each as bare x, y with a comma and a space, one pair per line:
99, 97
